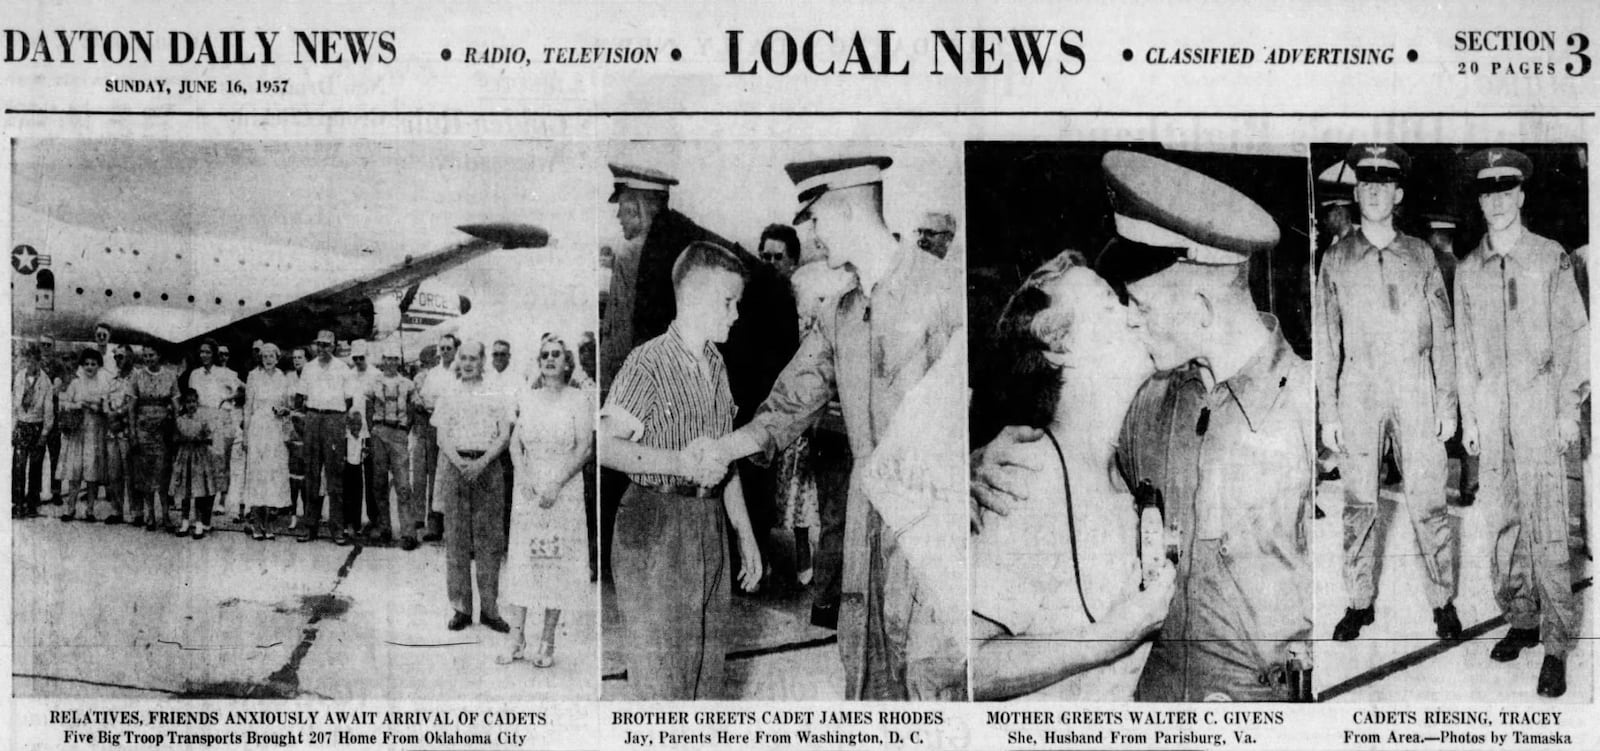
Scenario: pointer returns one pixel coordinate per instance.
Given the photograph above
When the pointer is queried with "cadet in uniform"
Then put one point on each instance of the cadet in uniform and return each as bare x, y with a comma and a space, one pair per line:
1225, 435
1386, 370
1523, 356
870, 350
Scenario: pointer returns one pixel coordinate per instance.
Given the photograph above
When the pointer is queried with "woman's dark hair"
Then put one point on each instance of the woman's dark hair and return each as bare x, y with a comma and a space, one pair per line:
782, 233
90, 354
1029, 385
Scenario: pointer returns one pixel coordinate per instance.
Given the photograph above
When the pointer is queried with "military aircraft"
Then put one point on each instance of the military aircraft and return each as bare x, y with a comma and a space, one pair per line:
72, 282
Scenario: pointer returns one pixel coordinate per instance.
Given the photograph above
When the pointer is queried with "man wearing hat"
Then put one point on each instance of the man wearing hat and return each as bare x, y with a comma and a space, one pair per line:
641, 195
324, 393
1386, 371
869, 351
1223, 434
1523, 358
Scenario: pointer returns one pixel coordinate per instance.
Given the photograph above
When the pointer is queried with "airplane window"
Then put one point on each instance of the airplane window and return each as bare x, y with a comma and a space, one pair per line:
136, 251
241, 303
163, 297
108, 293
219, 301
191, 298
108, 251
80, 290
136, 295
269, 303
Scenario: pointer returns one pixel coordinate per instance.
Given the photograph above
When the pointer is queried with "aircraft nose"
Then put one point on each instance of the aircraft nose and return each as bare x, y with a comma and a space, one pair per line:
509, 235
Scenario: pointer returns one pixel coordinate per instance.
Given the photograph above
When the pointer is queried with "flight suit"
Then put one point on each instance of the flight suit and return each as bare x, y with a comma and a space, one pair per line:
871, 351
1523, 359
1235, 466
1386, 368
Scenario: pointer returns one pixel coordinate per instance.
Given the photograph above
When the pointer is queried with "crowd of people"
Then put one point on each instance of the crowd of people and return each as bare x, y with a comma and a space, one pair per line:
454, 446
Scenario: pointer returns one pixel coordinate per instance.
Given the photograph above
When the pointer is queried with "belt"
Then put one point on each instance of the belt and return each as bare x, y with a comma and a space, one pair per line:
686, 489
325, 411
388, 424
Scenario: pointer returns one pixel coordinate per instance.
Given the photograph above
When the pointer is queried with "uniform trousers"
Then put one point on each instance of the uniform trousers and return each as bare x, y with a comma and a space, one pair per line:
1532, 562
475, 534
1407, 419
670, 564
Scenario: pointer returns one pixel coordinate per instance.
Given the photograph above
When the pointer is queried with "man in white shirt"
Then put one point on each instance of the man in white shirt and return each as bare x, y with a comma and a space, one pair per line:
324, 392
473, 419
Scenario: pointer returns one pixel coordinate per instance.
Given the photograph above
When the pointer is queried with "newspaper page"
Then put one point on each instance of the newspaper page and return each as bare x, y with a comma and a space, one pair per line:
503, 375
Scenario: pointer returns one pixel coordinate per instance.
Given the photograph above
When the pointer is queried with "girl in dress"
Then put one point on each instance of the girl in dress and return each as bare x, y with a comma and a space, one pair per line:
545, 564
194, 480
266, 414
83, 436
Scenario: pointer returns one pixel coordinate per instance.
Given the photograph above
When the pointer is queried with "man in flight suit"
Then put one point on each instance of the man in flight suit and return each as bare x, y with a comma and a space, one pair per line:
1386, 370
873, 347
1523, 356
1225, 434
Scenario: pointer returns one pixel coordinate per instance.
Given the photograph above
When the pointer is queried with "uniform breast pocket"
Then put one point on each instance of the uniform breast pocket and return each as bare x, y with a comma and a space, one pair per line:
1266, 478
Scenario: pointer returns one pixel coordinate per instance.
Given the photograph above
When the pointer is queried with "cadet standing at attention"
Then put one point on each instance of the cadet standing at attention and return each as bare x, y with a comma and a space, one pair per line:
1523, 357
1386, 370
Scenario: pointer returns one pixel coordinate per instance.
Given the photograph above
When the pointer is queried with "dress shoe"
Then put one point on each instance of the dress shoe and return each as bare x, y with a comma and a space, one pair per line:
1553, 676
114, 519
494, 623
152, 526
459, 621
199, 532
431, 537
182, 530
1349, 627
69, 516
825, 616
1515, 640
408, 543
1446, 623
343, 538
306, 535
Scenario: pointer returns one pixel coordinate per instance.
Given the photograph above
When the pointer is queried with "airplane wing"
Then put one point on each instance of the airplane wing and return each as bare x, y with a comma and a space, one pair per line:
344, 307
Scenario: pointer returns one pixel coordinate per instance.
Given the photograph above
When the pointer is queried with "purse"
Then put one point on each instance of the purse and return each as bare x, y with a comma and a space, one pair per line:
70, 421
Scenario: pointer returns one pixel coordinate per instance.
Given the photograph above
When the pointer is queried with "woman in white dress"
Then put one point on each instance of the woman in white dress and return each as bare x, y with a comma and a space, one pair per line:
266, 410
545, 562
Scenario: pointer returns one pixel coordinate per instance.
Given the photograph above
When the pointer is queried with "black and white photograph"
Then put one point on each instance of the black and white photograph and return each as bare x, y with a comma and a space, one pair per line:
1453, 418
781, 436
302, 419
1142, 411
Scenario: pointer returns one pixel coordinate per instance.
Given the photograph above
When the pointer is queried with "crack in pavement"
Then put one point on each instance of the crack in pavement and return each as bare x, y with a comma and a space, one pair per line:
285, 681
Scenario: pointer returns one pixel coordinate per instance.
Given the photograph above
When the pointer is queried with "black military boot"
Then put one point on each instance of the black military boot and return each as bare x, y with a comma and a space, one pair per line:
1553, 676
1349, 627
1446, 623
1515, 640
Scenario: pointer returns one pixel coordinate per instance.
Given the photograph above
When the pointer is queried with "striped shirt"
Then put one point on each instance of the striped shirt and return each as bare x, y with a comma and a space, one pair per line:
664, 399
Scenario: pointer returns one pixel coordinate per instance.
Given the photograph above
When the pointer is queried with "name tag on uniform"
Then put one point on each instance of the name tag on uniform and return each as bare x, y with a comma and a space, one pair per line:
1511, 293
1394, 298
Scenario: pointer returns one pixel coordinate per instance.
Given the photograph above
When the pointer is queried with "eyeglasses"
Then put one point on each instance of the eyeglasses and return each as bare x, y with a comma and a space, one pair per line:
932, 233
550, 354
499, 355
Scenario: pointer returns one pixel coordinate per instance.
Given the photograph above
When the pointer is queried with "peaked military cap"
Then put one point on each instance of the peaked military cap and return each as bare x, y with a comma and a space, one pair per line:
1165, 214
627, 177
815, 178
1378, 162
1497, 169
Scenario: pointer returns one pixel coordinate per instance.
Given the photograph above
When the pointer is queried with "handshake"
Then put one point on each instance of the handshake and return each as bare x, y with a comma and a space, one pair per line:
703, 461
